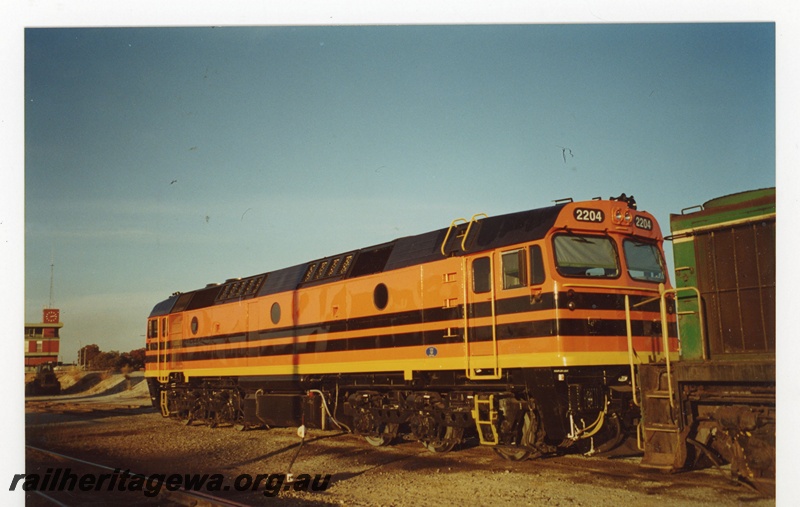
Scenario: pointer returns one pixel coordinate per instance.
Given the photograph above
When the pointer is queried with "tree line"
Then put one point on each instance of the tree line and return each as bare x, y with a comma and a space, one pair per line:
91, 357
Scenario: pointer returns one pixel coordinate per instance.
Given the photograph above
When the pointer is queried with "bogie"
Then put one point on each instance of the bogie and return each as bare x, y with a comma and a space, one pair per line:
440, 420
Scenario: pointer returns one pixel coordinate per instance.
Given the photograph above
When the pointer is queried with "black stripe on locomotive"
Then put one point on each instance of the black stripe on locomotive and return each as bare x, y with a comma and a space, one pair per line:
530, 329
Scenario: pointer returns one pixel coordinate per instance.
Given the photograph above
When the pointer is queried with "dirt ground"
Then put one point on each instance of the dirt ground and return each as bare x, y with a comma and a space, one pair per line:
120, 430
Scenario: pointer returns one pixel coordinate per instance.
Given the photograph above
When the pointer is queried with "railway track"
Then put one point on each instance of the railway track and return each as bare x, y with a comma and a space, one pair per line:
404, 473
114, 495
618, 465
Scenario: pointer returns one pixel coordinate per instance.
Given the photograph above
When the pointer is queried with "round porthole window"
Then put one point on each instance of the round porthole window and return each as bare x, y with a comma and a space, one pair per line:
380, 296
275, 313
194, 325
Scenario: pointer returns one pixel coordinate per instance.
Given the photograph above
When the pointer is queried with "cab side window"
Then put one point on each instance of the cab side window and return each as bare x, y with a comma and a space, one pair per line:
537, 265
514, 272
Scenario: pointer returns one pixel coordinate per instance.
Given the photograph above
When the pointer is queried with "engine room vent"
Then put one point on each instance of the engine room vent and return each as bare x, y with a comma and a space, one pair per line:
244, 287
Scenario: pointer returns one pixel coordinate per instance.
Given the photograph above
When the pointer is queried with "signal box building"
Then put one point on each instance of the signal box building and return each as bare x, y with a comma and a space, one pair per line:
42, 340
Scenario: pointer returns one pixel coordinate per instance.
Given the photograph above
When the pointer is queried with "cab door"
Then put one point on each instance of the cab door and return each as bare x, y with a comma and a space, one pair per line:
480, 318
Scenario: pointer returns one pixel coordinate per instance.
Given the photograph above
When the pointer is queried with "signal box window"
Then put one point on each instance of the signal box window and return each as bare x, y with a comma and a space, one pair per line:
586, 256
481, 275
537, 265
514, 269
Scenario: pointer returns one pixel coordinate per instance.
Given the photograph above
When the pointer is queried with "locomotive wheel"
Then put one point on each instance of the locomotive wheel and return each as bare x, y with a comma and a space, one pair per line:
225, 411
191, 408
239, 423
385, 438
186, 416
517, 453
237, 419
451, 437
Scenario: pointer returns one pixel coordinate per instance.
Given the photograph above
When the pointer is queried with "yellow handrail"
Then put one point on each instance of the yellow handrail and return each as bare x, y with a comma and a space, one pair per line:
617, 287
630, 348
456, 223
699, 314
665, 340
466, 313
495, 351
466, 234
447, 236
470, 370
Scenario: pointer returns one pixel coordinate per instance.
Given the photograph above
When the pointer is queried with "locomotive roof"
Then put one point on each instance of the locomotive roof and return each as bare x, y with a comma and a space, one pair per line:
485, 234
752, 204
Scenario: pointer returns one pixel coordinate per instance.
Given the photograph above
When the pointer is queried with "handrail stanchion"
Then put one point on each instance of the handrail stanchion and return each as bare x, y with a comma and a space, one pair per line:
665, 340
630, 347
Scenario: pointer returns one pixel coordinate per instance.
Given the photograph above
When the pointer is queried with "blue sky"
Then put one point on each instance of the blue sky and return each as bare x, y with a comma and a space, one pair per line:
162, 159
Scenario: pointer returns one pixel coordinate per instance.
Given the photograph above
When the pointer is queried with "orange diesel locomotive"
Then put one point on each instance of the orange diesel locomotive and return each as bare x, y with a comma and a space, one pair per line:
524, 329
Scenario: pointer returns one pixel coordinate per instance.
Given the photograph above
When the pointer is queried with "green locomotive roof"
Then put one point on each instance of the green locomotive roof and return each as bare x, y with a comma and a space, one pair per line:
740, 198
722, 210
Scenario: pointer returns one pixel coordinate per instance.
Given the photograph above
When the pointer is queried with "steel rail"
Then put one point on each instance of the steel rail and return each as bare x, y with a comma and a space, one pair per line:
182, 496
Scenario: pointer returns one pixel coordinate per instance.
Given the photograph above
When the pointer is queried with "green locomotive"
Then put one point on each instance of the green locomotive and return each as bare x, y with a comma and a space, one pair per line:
716, 405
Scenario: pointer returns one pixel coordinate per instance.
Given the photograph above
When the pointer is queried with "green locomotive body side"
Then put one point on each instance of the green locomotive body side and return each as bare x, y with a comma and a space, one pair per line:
726, 250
